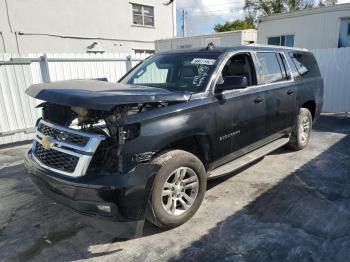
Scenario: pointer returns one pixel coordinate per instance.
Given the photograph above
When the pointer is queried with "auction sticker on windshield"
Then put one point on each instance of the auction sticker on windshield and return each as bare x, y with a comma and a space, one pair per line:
203, 61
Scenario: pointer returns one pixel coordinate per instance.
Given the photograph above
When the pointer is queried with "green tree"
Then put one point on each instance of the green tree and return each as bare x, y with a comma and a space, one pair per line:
246, 23
255, 8
269, 7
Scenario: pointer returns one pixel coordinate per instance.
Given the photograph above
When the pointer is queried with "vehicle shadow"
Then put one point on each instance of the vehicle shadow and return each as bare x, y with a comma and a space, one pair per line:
305, 217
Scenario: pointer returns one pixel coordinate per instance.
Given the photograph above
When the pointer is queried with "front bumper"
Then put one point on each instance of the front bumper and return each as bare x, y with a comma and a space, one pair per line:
126, 195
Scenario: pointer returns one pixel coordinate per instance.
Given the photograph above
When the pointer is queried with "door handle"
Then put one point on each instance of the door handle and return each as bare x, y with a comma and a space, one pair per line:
259, 100
290, 92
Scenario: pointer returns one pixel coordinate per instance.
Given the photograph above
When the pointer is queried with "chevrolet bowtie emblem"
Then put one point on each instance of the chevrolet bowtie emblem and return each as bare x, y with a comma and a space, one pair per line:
46, 143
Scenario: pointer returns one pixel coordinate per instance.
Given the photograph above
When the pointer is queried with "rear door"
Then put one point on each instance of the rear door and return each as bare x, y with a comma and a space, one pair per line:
280, 93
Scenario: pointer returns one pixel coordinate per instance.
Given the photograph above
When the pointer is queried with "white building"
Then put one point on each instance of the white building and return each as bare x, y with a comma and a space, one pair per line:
32, 26
232, 38
324, 27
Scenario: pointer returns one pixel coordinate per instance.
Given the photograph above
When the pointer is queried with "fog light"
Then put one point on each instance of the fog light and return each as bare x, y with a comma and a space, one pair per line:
104, 208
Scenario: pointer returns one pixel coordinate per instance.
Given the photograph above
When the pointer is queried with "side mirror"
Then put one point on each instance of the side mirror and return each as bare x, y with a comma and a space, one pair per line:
231, 83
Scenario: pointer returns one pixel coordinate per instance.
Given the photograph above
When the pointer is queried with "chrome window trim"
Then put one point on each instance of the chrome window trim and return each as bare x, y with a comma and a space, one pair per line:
249, 88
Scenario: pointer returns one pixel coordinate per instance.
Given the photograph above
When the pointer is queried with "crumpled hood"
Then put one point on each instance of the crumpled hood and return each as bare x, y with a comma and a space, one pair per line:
101, 95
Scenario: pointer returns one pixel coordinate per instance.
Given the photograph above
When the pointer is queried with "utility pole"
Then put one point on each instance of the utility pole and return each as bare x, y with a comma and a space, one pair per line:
183, 23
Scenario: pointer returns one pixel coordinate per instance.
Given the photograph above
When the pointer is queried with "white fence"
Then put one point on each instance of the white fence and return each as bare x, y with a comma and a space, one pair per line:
17, 113
18, 116
334, 65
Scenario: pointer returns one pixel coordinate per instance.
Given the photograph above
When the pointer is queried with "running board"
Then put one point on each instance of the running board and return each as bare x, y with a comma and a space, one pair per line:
247, 158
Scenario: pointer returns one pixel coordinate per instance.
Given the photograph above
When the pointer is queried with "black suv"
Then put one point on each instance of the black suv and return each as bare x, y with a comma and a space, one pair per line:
144, 148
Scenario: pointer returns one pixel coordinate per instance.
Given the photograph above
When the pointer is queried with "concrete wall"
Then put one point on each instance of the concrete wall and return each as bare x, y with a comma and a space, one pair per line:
219, 39
72, 25
312, 29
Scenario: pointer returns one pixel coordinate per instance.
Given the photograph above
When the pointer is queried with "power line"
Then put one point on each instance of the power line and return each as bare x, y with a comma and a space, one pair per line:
3, 41
8, 16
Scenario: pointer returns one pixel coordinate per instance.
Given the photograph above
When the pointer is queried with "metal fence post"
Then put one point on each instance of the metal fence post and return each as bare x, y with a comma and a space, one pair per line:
44, 68
128, 63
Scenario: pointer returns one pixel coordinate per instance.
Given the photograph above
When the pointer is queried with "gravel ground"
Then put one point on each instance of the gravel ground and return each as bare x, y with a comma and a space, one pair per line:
290, 206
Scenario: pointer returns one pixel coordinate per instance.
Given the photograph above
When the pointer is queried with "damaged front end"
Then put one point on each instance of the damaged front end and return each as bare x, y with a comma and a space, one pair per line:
77, 154
93, 136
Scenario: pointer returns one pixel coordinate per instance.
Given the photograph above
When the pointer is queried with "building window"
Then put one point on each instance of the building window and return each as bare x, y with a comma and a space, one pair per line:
143, 52
282, 40
143, 15
344, 34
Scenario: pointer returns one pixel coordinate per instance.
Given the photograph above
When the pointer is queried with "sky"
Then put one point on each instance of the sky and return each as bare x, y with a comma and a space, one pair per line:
203, 15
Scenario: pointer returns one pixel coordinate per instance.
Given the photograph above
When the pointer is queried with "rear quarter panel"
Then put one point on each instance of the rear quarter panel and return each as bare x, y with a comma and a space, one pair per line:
309, 86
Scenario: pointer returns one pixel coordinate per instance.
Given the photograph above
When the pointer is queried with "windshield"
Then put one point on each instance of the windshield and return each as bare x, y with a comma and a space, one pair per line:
176, 72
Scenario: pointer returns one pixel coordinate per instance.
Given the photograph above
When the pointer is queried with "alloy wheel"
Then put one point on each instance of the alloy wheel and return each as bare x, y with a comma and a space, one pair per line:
180, 190
304, 129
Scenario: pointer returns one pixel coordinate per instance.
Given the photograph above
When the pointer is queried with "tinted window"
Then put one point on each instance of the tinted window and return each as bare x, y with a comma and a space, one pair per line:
282, 66
269, 67
299, 65
293, 67
305, 63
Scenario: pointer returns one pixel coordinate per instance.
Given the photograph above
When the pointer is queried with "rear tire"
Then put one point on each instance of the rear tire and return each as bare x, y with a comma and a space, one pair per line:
301, 132
178, 189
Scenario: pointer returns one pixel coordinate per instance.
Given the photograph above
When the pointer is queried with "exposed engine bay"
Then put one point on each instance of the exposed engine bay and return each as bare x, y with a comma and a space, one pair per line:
106, 123
95, 121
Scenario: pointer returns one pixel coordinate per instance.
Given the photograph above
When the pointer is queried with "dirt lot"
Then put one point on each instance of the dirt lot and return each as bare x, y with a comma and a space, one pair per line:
290, 206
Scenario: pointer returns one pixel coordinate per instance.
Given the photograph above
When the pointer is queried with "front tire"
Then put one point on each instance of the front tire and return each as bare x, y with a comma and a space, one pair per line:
301, 133
178, 190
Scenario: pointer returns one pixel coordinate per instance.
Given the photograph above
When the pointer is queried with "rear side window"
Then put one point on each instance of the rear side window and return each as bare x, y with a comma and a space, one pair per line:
293, 67
305, 63
271, 67
282, 63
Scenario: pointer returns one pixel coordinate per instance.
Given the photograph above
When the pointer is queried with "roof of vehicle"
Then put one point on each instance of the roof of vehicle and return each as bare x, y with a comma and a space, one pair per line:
224, 49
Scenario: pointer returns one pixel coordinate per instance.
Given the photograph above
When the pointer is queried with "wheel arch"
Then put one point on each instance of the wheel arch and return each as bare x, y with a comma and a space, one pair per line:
197, 144
311, 106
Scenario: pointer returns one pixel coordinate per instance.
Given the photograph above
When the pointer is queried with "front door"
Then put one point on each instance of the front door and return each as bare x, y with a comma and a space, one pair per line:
239, 114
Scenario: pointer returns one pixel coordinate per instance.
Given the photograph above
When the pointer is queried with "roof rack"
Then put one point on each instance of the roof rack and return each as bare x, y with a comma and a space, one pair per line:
278, 46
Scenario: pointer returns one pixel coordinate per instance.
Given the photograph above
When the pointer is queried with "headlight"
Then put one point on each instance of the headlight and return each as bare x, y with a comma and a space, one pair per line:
127, 133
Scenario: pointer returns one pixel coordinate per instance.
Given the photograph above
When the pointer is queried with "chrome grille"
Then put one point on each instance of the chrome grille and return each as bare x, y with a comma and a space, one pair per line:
56, 159
62, 136
64, 150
